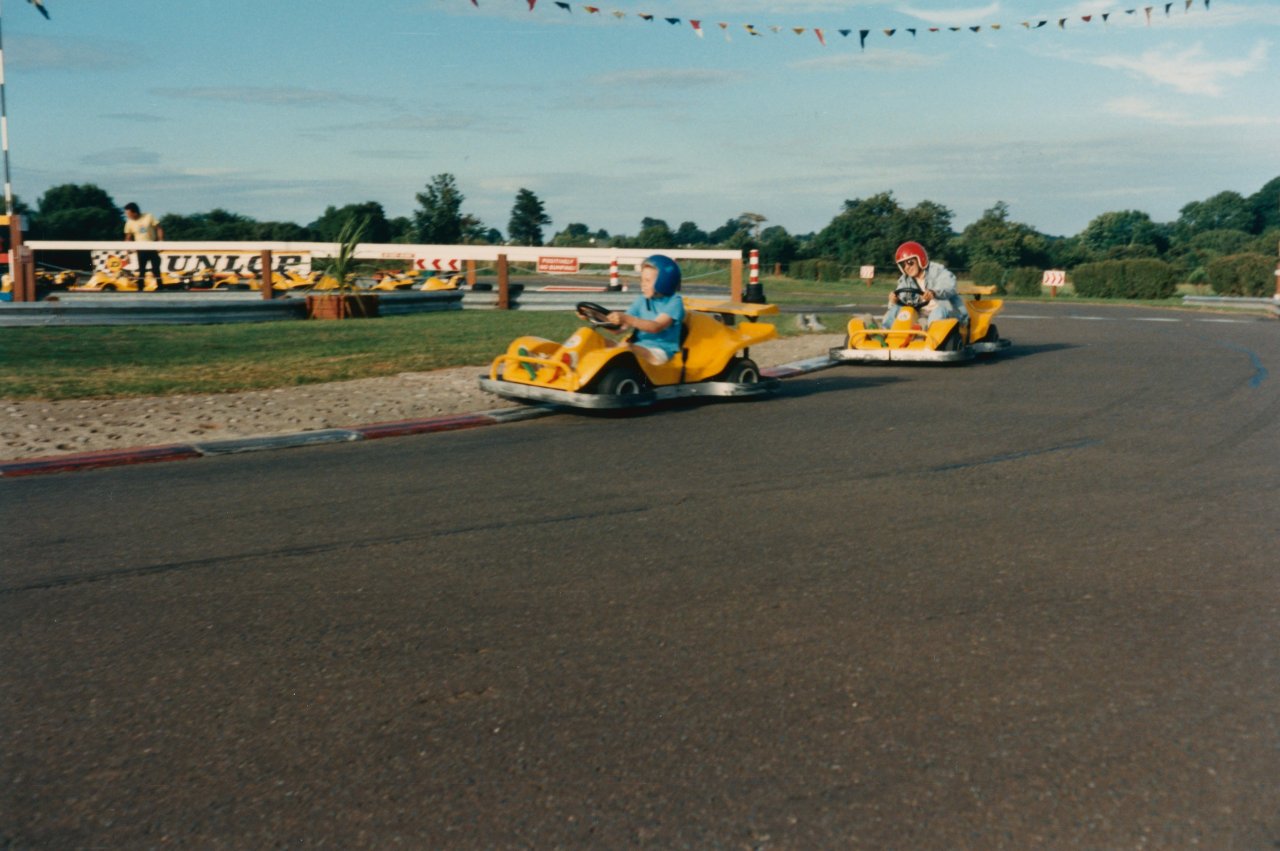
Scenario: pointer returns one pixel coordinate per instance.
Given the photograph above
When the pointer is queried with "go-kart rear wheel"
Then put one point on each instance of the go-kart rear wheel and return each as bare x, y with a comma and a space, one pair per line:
741, 371
951, 342
991, 336
621, 380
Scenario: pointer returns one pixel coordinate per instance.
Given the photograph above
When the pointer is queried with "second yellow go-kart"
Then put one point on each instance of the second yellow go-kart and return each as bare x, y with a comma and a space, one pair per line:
944, 341
591, 371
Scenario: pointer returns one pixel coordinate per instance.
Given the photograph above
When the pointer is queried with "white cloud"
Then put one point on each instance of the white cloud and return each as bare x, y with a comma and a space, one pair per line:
121, 156
1190, 71
267, 95
135, 117
954, 17
875, 59
667, 77
1141, 108
66, 54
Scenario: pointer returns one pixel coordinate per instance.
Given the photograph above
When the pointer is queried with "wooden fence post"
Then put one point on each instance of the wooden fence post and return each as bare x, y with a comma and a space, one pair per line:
267, 292
504, 283
27, 274
735, 279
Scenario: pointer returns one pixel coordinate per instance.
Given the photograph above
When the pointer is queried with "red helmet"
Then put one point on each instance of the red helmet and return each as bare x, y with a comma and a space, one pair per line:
912, 249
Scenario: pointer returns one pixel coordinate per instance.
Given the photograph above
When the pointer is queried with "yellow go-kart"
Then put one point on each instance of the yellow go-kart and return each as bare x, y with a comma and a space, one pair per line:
590, 370
390, 281
245, 281
944, 341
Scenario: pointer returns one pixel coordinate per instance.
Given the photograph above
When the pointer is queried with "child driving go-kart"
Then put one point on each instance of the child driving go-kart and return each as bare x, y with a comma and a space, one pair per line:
673, 349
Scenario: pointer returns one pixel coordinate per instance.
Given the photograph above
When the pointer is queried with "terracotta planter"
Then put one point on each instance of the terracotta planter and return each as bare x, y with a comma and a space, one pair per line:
342, 306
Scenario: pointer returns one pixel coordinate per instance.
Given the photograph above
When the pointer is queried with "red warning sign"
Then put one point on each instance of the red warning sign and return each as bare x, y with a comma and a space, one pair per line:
558, 265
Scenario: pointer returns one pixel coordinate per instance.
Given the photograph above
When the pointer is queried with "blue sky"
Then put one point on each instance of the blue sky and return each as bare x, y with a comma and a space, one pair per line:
278, 108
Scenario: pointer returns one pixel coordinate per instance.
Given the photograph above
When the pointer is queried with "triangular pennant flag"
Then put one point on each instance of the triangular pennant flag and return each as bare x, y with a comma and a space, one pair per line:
725, 27
798, 30
975, 29
1130, 11
697, 27
1041, 24
591, 10
619, 15
1086, 18
862, 38
39, 4
1187, 7
889, 33
750, 28
1167, 7
775, 29
475, 3
1147, 10
818, 33
844, 33
646, 16
532, 3
1026, 25
1105, 15
1062, 23
995, 26
564, 6
954, 29
672, 21
933, 29
912, 30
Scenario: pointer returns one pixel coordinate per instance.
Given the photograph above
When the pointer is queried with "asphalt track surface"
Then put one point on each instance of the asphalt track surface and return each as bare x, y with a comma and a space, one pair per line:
1032, 602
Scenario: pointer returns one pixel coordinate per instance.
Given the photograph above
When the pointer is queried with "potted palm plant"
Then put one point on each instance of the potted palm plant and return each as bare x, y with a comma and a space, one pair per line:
336, 296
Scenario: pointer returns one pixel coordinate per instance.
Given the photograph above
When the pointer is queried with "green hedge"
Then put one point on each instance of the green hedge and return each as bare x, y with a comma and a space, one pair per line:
1025, 280
816, 270
1242, 274
988, 273
1141, 278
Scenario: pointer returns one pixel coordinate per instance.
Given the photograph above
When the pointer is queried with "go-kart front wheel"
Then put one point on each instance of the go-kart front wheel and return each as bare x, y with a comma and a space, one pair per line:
952, 342
741, 371
621, 380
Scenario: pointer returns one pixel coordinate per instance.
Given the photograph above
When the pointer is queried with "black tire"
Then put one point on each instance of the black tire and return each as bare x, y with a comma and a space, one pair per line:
741, 371
952, 342
622, 379
992, 334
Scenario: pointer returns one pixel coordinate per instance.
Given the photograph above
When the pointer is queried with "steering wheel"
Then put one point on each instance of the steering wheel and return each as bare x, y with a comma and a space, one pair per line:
597, 316
910, 297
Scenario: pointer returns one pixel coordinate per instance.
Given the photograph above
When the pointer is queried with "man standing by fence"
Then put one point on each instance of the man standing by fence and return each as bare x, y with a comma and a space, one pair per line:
143, 227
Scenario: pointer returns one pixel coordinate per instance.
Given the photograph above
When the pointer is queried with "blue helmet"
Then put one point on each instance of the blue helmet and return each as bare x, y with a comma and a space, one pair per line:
668, 280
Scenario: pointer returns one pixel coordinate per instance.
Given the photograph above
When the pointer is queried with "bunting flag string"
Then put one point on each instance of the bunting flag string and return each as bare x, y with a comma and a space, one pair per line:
39, 4
754, 31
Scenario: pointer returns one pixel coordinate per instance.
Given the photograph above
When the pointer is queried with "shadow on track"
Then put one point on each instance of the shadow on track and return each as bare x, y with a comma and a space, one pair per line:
797, 387
1016, 352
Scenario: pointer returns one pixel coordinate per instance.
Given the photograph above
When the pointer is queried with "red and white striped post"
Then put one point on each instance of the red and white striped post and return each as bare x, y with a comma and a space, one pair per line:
614, 286
755, 293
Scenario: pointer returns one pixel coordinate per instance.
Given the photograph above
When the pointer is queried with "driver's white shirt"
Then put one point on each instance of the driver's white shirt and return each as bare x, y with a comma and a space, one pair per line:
942, 282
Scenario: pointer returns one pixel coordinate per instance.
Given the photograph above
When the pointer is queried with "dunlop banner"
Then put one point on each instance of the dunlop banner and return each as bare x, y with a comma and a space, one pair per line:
185, 262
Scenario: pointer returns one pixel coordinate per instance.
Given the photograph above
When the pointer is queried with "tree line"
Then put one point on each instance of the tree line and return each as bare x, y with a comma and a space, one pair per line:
864, 232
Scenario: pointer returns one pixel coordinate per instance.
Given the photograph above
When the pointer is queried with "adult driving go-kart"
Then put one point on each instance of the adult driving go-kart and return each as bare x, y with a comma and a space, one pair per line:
591, 370
943, 341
